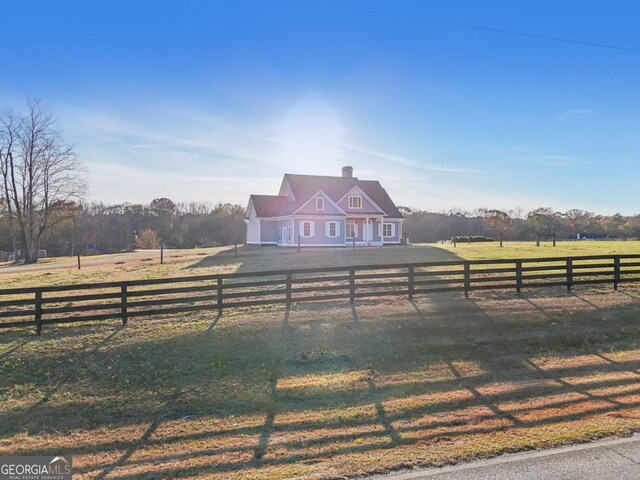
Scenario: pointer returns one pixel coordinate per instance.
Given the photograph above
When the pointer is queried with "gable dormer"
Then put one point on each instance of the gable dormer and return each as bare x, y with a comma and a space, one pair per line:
356, 201
320, 204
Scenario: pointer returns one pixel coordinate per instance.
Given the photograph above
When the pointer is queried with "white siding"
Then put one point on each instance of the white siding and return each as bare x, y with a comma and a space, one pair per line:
253, 226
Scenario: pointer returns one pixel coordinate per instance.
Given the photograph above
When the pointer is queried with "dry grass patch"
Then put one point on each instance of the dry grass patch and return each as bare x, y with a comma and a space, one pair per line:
204, 261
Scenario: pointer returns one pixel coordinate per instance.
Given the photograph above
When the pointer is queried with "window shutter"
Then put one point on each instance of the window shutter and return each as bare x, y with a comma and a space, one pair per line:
393, 229
337, 229
380, 230
326, 229
355, 229
311, 230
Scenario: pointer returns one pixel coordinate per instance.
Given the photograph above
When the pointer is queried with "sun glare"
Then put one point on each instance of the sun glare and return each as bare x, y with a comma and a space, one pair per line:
310, 134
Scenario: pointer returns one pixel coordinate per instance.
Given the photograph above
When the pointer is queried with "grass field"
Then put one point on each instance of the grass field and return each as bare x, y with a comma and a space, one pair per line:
323, 391
490, 250
146, 264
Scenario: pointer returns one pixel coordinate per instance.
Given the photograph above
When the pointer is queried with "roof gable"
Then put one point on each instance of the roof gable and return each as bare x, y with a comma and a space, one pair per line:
330, 207
379, 195
285, 189
368, 205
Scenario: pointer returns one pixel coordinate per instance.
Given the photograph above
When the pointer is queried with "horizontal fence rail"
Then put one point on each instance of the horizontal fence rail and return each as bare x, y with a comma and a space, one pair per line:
38, 306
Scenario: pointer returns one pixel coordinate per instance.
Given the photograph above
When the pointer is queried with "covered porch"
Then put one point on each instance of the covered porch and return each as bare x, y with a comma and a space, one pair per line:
366, 230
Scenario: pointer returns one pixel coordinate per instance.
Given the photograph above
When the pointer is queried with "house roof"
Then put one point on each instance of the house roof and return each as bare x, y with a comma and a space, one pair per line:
268, 205
304, 187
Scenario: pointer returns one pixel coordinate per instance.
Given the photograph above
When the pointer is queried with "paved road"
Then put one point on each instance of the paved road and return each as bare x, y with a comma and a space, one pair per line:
617, 459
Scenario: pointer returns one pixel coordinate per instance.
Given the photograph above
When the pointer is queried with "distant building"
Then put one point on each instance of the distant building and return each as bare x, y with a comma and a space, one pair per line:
592, 236
324, 211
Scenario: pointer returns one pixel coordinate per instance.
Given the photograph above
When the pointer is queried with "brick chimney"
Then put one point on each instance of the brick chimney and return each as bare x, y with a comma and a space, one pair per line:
347, 172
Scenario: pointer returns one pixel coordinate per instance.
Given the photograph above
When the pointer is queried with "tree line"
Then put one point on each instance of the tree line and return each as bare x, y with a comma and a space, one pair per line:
122, 227
424, 226
98, 228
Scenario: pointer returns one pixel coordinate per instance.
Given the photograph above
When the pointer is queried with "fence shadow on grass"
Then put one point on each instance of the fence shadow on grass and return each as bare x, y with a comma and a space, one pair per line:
336, 381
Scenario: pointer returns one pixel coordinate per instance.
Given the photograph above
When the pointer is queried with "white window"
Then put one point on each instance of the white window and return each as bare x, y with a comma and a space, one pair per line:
306, 229
388, 230
279, 234
319, 203
332, 229
355, 201
351, 230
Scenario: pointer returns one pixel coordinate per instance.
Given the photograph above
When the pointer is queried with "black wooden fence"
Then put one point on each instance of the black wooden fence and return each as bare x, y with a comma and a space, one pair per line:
38, 306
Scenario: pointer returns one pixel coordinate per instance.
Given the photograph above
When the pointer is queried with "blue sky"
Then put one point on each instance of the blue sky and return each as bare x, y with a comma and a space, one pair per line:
215, 100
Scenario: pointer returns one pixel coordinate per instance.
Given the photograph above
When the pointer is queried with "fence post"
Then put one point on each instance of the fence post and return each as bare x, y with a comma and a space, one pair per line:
298, 243
538, 241
411, 278
500, 239
554, 239
235, 249
78, 261
569, 274
616, 272
219, 294
38, 308
123, 304
454, 243
161, 253
352, 285
354, 242
467, 278
288, 290
518, 276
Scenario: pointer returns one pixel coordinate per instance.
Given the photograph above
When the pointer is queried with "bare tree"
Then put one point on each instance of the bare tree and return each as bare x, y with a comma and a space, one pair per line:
9, 123
41, 175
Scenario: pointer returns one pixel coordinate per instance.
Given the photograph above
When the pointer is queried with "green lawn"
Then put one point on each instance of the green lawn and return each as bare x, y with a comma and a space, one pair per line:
492, 250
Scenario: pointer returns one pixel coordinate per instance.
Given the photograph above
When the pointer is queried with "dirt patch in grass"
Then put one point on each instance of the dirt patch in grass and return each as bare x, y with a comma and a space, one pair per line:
324, 391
